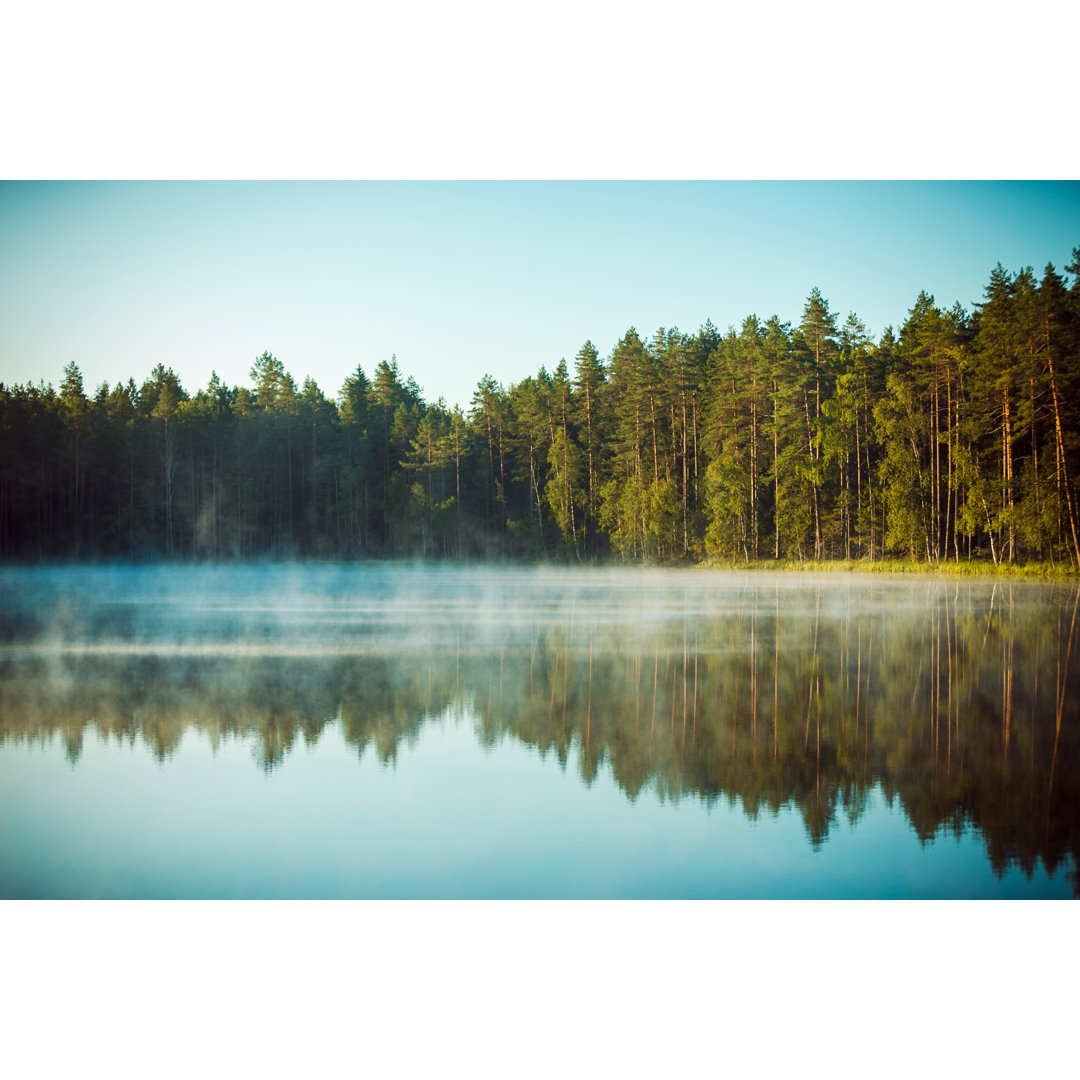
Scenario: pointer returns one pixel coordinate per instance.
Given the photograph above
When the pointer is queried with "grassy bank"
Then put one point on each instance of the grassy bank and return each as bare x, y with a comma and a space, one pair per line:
963, 568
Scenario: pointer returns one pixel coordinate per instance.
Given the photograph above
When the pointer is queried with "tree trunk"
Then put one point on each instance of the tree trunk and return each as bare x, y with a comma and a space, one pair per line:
1064, 465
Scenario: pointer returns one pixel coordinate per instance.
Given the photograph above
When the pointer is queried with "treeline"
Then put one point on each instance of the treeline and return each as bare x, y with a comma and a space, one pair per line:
957, 438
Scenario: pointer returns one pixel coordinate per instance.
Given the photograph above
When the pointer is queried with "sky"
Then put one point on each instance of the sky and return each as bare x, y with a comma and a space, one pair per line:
460, 279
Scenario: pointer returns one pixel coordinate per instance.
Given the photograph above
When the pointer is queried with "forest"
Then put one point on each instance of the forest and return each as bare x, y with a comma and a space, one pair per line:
956, 438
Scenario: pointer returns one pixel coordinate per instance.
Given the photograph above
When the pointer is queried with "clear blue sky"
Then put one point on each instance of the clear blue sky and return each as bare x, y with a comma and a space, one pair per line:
459, 279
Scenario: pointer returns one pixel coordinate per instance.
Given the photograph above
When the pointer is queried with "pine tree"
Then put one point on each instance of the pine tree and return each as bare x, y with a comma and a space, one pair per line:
161, 395
818, 329
589, 378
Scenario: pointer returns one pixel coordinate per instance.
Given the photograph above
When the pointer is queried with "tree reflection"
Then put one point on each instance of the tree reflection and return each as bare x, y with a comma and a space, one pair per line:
965, 713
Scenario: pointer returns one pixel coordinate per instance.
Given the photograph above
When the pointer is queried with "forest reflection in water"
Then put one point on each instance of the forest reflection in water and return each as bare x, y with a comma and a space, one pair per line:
959, 699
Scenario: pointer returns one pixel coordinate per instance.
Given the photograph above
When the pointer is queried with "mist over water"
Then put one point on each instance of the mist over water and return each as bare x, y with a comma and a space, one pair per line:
489, 731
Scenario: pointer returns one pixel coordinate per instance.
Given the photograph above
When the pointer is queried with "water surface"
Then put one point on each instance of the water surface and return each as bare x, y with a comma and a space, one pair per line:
361, 731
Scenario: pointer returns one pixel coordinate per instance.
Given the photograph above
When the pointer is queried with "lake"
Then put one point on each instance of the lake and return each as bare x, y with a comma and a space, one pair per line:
399, 731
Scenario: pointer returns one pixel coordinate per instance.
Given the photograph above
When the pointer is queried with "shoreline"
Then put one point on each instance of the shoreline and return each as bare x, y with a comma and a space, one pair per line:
973, 568
1041, 571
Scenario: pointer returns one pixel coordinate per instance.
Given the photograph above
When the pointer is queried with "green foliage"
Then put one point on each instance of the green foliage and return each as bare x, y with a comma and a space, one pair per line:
727, 496
957, 439
903, 470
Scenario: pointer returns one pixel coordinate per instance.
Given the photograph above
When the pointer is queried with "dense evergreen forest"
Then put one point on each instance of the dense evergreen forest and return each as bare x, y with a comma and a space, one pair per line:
957, 438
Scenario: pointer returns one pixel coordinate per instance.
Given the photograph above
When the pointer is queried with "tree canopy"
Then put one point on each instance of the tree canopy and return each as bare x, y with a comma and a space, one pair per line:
957, 436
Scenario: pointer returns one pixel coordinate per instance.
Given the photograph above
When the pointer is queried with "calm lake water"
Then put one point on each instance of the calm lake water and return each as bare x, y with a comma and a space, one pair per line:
383, 731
